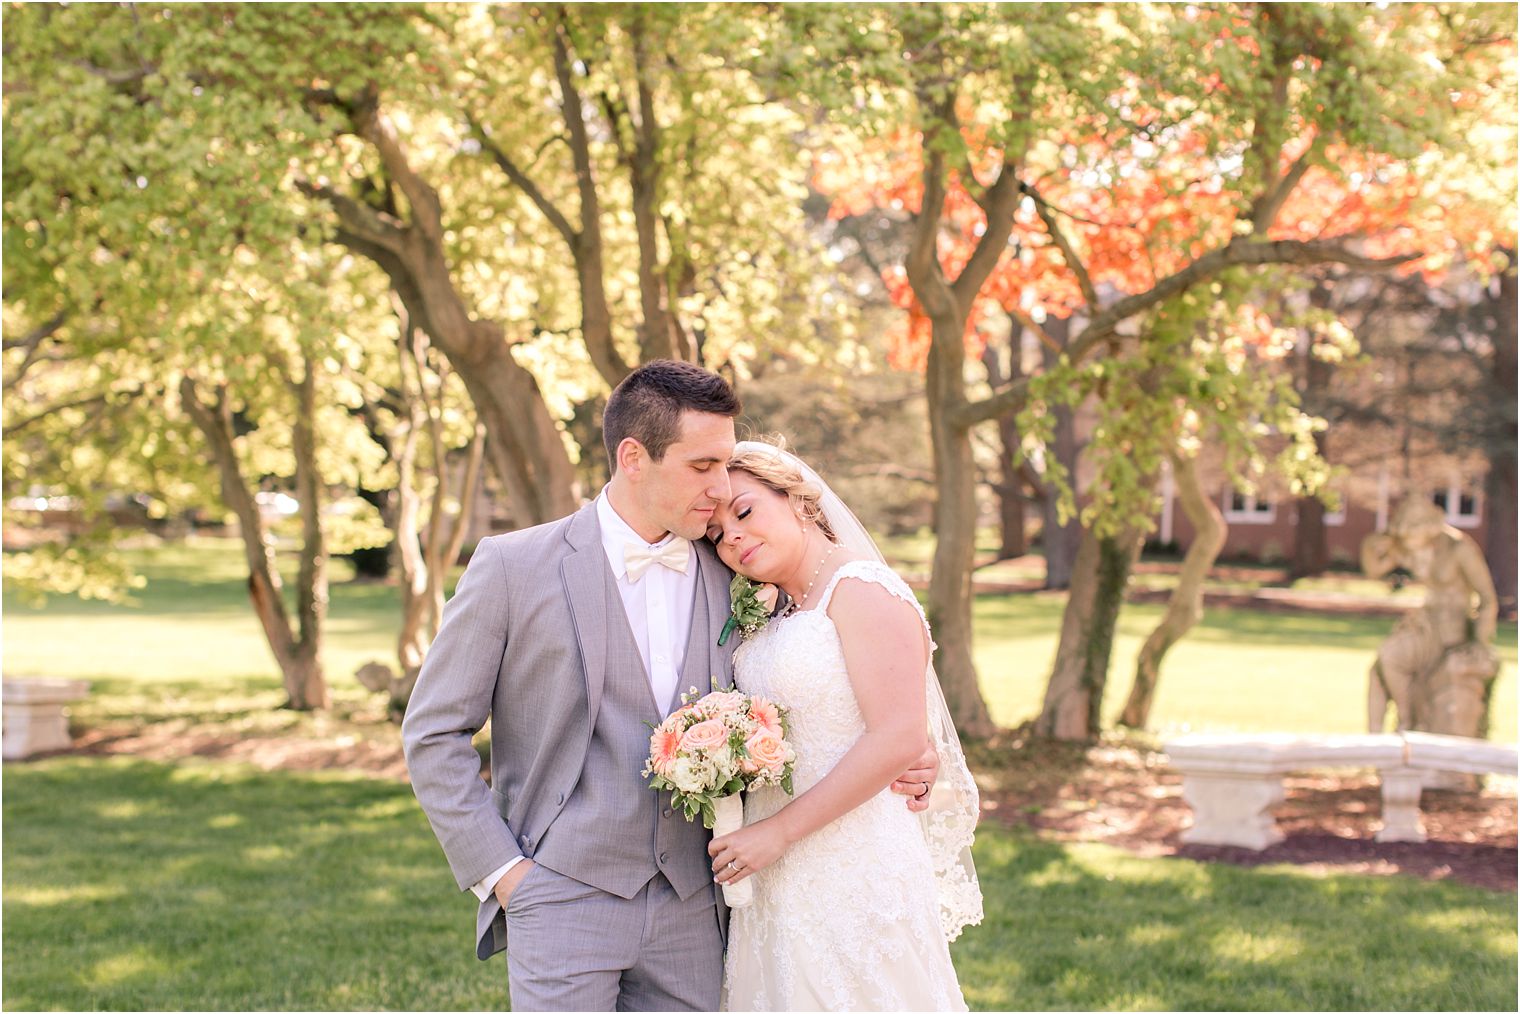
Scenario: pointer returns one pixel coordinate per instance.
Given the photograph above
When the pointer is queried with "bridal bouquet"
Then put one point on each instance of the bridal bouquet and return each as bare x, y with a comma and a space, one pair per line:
711, 749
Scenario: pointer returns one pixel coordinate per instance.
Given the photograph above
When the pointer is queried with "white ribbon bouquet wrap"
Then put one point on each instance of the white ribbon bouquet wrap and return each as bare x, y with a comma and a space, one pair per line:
713, 748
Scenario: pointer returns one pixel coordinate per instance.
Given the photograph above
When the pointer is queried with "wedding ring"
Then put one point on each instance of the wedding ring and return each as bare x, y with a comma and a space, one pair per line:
733, 866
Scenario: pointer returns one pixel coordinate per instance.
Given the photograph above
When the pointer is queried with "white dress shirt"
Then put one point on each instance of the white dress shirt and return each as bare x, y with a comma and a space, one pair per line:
658, 607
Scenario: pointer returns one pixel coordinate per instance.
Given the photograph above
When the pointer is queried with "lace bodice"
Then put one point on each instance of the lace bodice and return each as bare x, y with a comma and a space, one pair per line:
848, 917
798, 662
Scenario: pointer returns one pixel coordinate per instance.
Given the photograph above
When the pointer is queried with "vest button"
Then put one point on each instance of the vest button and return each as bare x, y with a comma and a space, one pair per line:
527, 842
667, 813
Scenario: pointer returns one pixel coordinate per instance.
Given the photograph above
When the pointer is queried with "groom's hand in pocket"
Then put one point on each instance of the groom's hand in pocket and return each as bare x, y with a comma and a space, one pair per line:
509, 881
917, 782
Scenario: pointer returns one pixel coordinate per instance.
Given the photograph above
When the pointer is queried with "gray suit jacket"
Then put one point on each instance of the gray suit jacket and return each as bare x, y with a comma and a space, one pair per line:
523, 643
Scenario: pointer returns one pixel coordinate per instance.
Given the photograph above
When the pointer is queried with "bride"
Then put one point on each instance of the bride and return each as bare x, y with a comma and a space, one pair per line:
855, 898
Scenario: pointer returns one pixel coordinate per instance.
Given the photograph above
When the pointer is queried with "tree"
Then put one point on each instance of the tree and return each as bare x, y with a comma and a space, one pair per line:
420, 422
1119, 196
158, 155
1185, 606
166, 283
404, 234
298, 652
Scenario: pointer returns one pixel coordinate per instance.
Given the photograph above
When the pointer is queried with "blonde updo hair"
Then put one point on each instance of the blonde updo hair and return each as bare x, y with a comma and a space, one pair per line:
776, 473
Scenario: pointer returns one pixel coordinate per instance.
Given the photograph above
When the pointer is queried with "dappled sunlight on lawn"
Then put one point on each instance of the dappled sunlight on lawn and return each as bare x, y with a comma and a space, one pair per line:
263, 912
1259, 948
257, 912
1094, 928
136, 965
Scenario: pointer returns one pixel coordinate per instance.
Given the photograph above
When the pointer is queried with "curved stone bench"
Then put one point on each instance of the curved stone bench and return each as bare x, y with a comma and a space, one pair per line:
1233, 781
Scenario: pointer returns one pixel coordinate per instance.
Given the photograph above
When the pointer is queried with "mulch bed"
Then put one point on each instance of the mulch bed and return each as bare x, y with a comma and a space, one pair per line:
1119, 793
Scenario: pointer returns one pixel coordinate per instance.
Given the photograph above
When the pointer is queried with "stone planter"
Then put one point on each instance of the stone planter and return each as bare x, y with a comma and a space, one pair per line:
35, 720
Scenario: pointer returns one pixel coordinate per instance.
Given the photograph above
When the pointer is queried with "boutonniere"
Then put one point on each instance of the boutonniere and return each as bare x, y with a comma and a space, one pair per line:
750, 607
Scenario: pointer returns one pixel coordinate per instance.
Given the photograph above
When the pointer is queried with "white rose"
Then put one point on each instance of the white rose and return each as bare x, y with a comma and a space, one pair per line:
691, 775
725, 765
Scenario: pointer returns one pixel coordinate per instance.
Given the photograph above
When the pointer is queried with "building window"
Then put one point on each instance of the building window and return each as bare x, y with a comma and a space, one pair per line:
1336, 518
1246, 508
1461, 507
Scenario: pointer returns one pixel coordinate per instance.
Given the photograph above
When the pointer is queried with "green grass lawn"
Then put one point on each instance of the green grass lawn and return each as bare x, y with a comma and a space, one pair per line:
191, 646
136, 885
1238, 670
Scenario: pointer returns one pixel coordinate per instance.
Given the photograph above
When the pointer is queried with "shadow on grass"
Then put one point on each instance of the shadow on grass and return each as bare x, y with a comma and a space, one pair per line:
130, 884
134, 885
1085, 927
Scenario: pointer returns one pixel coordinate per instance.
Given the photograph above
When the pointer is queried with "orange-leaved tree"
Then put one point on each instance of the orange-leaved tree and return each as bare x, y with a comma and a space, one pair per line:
1132, 171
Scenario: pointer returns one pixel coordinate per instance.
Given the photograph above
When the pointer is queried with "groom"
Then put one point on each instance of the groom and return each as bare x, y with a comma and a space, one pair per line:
574, 638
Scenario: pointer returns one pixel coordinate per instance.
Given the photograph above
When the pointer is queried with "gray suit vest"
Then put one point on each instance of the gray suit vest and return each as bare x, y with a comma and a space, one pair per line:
615, 833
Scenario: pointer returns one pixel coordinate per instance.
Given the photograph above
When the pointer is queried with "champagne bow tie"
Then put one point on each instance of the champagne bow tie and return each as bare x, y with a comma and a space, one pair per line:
637, 558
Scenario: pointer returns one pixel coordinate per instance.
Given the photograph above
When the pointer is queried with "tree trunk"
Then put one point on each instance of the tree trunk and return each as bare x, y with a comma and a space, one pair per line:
947, 305
1074, 694
526, 449
536, 471
1499, 541
1185, 607
660, 334
306, 685
1010, 486
1010, 493
300, 669
1059, 542
950, 598
1311, 545
424, 558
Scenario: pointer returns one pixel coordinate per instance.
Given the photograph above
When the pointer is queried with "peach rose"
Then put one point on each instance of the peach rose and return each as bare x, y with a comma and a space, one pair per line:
767, 751
662, 749
708, 735
766, 713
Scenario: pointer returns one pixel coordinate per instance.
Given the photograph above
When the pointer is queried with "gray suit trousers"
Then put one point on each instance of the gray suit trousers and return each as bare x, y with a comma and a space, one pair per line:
573, 947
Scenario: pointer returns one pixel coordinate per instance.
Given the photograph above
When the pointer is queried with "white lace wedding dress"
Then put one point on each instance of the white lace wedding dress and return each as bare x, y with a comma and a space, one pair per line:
849, 917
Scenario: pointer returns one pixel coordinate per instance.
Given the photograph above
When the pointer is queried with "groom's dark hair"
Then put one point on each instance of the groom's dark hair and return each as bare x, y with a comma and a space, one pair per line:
647, 405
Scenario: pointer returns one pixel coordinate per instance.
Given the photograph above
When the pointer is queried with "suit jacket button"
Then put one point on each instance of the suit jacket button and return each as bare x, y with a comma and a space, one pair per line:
527, 842
559, 800
664, 858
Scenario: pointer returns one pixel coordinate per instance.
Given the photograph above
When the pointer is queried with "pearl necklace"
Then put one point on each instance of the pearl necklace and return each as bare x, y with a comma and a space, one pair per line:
796, 604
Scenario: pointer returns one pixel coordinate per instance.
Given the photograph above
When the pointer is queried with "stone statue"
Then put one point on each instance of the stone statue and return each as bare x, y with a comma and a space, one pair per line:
1437, 666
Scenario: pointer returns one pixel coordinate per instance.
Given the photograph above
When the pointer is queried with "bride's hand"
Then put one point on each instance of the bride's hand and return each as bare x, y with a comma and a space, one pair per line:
749, 849
918, 781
